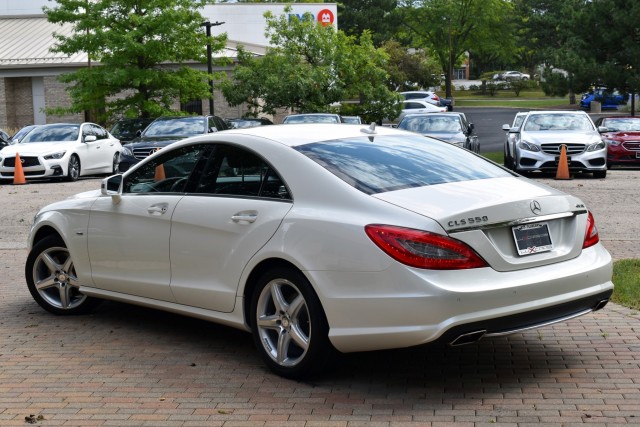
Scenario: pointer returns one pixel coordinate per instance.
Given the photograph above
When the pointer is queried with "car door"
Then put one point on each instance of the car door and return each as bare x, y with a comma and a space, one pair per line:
107, 149
89, 151
129, 236
234, 209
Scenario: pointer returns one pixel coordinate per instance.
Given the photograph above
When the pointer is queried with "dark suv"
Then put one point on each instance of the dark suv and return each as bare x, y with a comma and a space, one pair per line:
126, 130
165, 130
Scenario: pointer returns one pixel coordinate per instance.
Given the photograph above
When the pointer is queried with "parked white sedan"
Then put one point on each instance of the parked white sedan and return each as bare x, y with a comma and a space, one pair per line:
63, 150
320, 237
539, 140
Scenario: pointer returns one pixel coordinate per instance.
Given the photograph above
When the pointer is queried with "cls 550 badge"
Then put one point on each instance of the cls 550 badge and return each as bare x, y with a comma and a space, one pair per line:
468, 221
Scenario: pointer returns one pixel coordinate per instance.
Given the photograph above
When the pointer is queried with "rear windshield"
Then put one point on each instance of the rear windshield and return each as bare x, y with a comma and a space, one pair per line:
387, 163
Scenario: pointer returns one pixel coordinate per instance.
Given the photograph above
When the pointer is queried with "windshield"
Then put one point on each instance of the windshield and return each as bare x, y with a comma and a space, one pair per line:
311, 119
431, 124
386, 163
553, 122
518, 120
622, 124
129, 127
176, 126
52, 133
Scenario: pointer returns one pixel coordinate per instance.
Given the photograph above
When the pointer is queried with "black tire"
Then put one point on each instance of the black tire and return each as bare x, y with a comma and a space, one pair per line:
508, 160
73, 169
52, 281
289, 327
116, 164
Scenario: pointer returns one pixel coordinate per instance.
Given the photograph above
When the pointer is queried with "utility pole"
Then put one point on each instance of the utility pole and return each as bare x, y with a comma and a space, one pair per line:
208, 25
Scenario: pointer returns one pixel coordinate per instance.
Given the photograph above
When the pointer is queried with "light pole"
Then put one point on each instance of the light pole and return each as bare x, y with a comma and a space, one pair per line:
208, 25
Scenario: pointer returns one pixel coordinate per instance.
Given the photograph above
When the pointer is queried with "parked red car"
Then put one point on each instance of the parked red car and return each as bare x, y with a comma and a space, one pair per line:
622, 135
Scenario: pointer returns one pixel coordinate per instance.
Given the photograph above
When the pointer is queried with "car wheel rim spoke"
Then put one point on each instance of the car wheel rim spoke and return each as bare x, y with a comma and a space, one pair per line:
55, 279
283, 322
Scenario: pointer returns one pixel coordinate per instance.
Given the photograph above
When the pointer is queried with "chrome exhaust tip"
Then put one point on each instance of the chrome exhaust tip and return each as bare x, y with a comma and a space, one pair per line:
600, 304
468, 338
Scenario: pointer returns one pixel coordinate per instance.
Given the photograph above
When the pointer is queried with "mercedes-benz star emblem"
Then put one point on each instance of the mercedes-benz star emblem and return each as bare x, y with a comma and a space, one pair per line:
535, 207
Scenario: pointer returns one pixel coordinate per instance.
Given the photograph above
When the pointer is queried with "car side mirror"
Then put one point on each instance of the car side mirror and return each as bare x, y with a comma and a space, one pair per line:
138, 133
603, 129
471, 126
112, 186
506, 128
90, 138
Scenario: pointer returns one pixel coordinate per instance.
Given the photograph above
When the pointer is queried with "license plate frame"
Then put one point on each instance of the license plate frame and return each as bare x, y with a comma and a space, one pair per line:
532, 238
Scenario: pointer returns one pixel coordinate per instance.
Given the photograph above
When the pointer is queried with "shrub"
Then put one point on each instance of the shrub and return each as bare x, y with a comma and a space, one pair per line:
554, 84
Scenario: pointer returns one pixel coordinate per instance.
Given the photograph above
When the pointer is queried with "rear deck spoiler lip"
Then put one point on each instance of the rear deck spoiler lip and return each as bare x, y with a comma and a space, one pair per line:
521, 221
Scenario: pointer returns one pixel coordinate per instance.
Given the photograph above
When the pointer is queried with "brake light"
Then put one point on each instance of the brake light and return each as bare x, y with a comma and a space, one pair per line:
591, 236
435, 97
422, 249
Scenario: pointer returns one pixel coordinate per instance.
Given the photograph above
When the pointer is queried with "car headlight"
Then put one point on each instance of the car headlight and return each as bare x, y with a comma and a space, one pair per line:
55, 156
613, 142
600, 145
126, 151
524, 145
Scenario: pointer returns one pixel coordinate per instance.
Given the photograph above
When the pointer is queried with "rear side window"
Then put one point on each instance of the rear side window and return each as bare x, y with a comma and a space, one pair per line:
388, 163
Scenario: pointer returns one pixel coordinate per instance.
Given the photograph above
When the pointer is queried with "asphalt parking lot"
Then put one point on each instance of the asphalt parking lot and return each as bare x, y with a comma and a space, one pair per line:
130, 366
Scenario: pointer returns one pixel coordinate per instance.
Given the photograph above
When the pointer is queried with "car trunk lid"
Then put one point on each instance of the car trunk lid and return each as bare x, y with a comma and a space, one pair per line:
513, 223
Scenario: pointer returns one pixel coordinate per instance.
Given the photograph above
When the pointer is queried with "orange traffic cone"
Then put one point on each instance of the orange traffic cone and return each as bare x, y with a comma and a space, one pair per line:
563, 165
159, 175
18, 173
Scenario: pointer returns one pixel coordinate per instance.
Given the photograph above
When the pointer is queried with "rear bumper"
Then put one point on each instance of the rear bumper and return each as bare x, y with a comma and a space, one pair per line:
420, 307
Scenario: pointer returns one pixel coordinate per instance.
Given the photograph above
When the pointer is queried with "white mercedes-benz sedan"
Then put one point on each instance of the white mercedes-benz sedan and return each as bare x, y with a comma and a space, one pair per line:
323, 237
63, 150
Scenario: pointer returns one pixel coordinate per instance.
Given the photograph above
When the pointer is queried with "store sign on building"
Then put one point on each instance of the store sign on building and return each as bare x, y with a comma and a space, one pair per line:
324, 17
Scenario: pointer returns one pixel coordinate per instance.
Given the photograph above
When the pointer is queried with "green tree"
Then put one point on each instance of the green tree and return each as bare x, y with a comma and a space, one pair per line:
380, 17
309, 68
138, 50
547, 36
410, 70
452, 28
606, 39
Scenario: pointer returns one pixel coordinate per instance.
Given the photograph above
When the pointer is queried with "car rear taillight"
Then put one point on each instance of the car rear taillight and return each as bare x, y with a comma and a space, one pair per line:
423, 249
435, 97
591, 236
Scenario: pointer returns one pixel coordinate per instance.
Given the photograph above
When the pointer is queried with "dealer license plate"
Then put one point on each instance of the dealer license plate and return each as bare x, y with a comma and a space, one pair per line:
532, 238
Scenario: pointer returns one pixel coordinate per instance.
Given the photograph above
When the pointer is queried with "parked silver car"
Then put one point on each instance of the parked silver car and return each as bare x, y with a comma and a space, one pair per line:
509, 140
450, 127
539, 140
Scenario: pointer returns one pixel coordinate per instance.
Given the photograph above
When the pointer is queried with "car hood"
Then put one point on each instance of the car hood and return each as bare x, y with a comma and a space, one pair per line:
155, 141
36, 148
624, 136
494, 201
561, 136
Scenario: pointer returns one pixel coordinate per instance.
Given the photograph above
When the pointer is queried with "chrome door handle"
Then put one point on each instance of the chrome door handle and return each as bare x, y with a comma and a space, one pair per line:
159, 209
249, 216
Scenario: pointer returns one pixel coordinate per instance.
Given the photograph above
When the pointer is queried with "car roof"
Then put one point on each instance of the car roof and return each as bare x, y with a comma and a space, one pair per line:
312, 114
416, 91
548, 112
305, 133
436, 114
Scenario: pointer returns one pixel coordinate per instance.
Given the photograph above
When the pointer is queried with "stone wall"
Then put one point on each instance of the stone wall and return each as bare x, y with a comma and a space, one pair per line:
16, 103
57, 96
3, 105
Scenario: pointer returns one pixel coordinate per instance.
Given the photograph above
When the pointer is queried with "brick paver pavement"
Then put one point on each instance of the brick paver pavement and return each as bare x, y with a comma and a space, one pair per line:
130, 366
